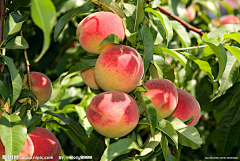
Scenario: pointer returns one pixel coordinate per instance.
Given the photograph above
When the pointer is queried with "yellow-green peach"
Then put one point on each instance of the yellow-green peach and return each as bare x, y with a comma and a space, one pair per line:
119, 68
113, 114
187, 107
89, 79
163, 95
41, 86
93, 29
191, 12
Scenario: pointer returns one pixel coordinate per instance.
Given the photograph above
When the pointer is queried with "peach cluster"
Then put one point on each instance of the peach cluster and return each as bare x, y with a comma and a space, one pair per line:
118, 71
171, 101
40, 142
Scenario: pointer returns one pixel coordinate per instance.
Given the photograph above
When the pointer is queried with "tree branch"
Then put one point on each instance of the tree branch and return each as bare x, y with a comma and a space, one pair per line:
185, 24
208, 122
2, 13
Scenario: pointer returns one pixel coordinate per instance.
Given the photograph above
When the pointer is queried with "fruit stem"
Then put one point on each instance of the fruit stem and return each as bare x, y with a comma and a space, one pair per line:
2, 13
28, 70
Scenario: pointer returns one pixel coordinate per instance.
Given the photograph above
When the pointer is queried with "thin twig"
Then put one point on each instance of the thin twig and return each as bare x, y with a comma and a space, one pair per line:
208, 122
189, 48
28, 70
2, 13
185, 24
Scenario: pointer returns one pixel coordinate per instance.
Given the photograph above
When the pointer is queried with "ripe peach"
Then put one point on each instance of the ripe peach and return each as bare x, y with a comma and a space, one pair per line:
41, 86
187, 107
229, 19
45, 143
119, 68
93, 29
27, 150
191, 12
163, 95
89, 79
113, 114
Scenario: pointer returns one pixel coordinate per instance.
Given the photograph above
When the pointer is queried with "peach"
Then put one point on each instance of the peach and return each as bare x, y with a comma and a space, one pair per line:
93, 29
229, 19
113, 114
45, 143
119, 68
163, 95
191, 12
41, 86
187, 107
89, 79
26, 152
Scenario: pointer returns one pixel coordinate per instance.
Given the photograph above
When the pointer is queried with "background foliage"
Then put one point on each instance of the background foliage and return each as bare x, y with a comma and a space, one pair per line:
46, 30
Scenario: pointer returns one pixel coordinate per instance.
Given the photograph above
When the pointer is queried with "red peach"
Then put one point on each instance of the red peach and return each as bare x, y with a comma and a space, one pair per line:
113, 114
89, 79
187, 107
191, 12
163, 95
41, 86
229, 19
45, 143
93, 29
119, 68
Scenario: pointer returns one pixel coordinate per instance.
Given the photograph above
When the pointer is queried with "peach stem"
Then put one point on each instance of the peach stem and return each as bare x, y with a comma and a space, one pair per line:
28, 70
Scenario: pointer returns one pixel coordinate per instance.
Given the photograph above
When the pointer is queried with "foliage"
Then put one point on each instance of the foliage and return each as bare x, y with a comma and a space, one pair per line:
205, 65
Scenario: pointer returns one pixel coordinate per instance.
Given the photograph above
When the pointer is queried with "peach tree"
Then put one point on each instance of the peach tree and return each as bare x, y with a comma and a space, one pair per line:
103, 103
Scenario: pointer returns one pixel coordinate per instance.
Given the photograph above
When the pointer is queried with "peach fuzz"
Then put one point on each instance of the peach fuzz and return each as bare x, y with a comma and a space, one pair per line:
187, 107
89, 79
163, 95
45, 143
27, 150
119, 68
93, 29
41, 86
191, 12
113, 114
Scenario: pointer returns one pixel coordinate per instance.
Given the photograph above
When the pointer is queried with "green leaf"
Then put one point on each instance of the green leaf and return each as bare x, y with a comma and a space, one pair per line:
139, 15
164, 69
187, 135
112, 38
221, 54
118, 148
16, 81
75, 68
230, 75
178, 56
148, 47
167, 128
203, 65
164, 145
11, 28
43, 13
96, 145
17, 4
211, 5
13, 133
110, 5
71, 133
17, 43
165, 22
3, 91
182, 33
18, 17
69, 15
234, 50
150, 145
226, 136
230, 10
71, 125
235, 119
233, 36
151, 113
221, 31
